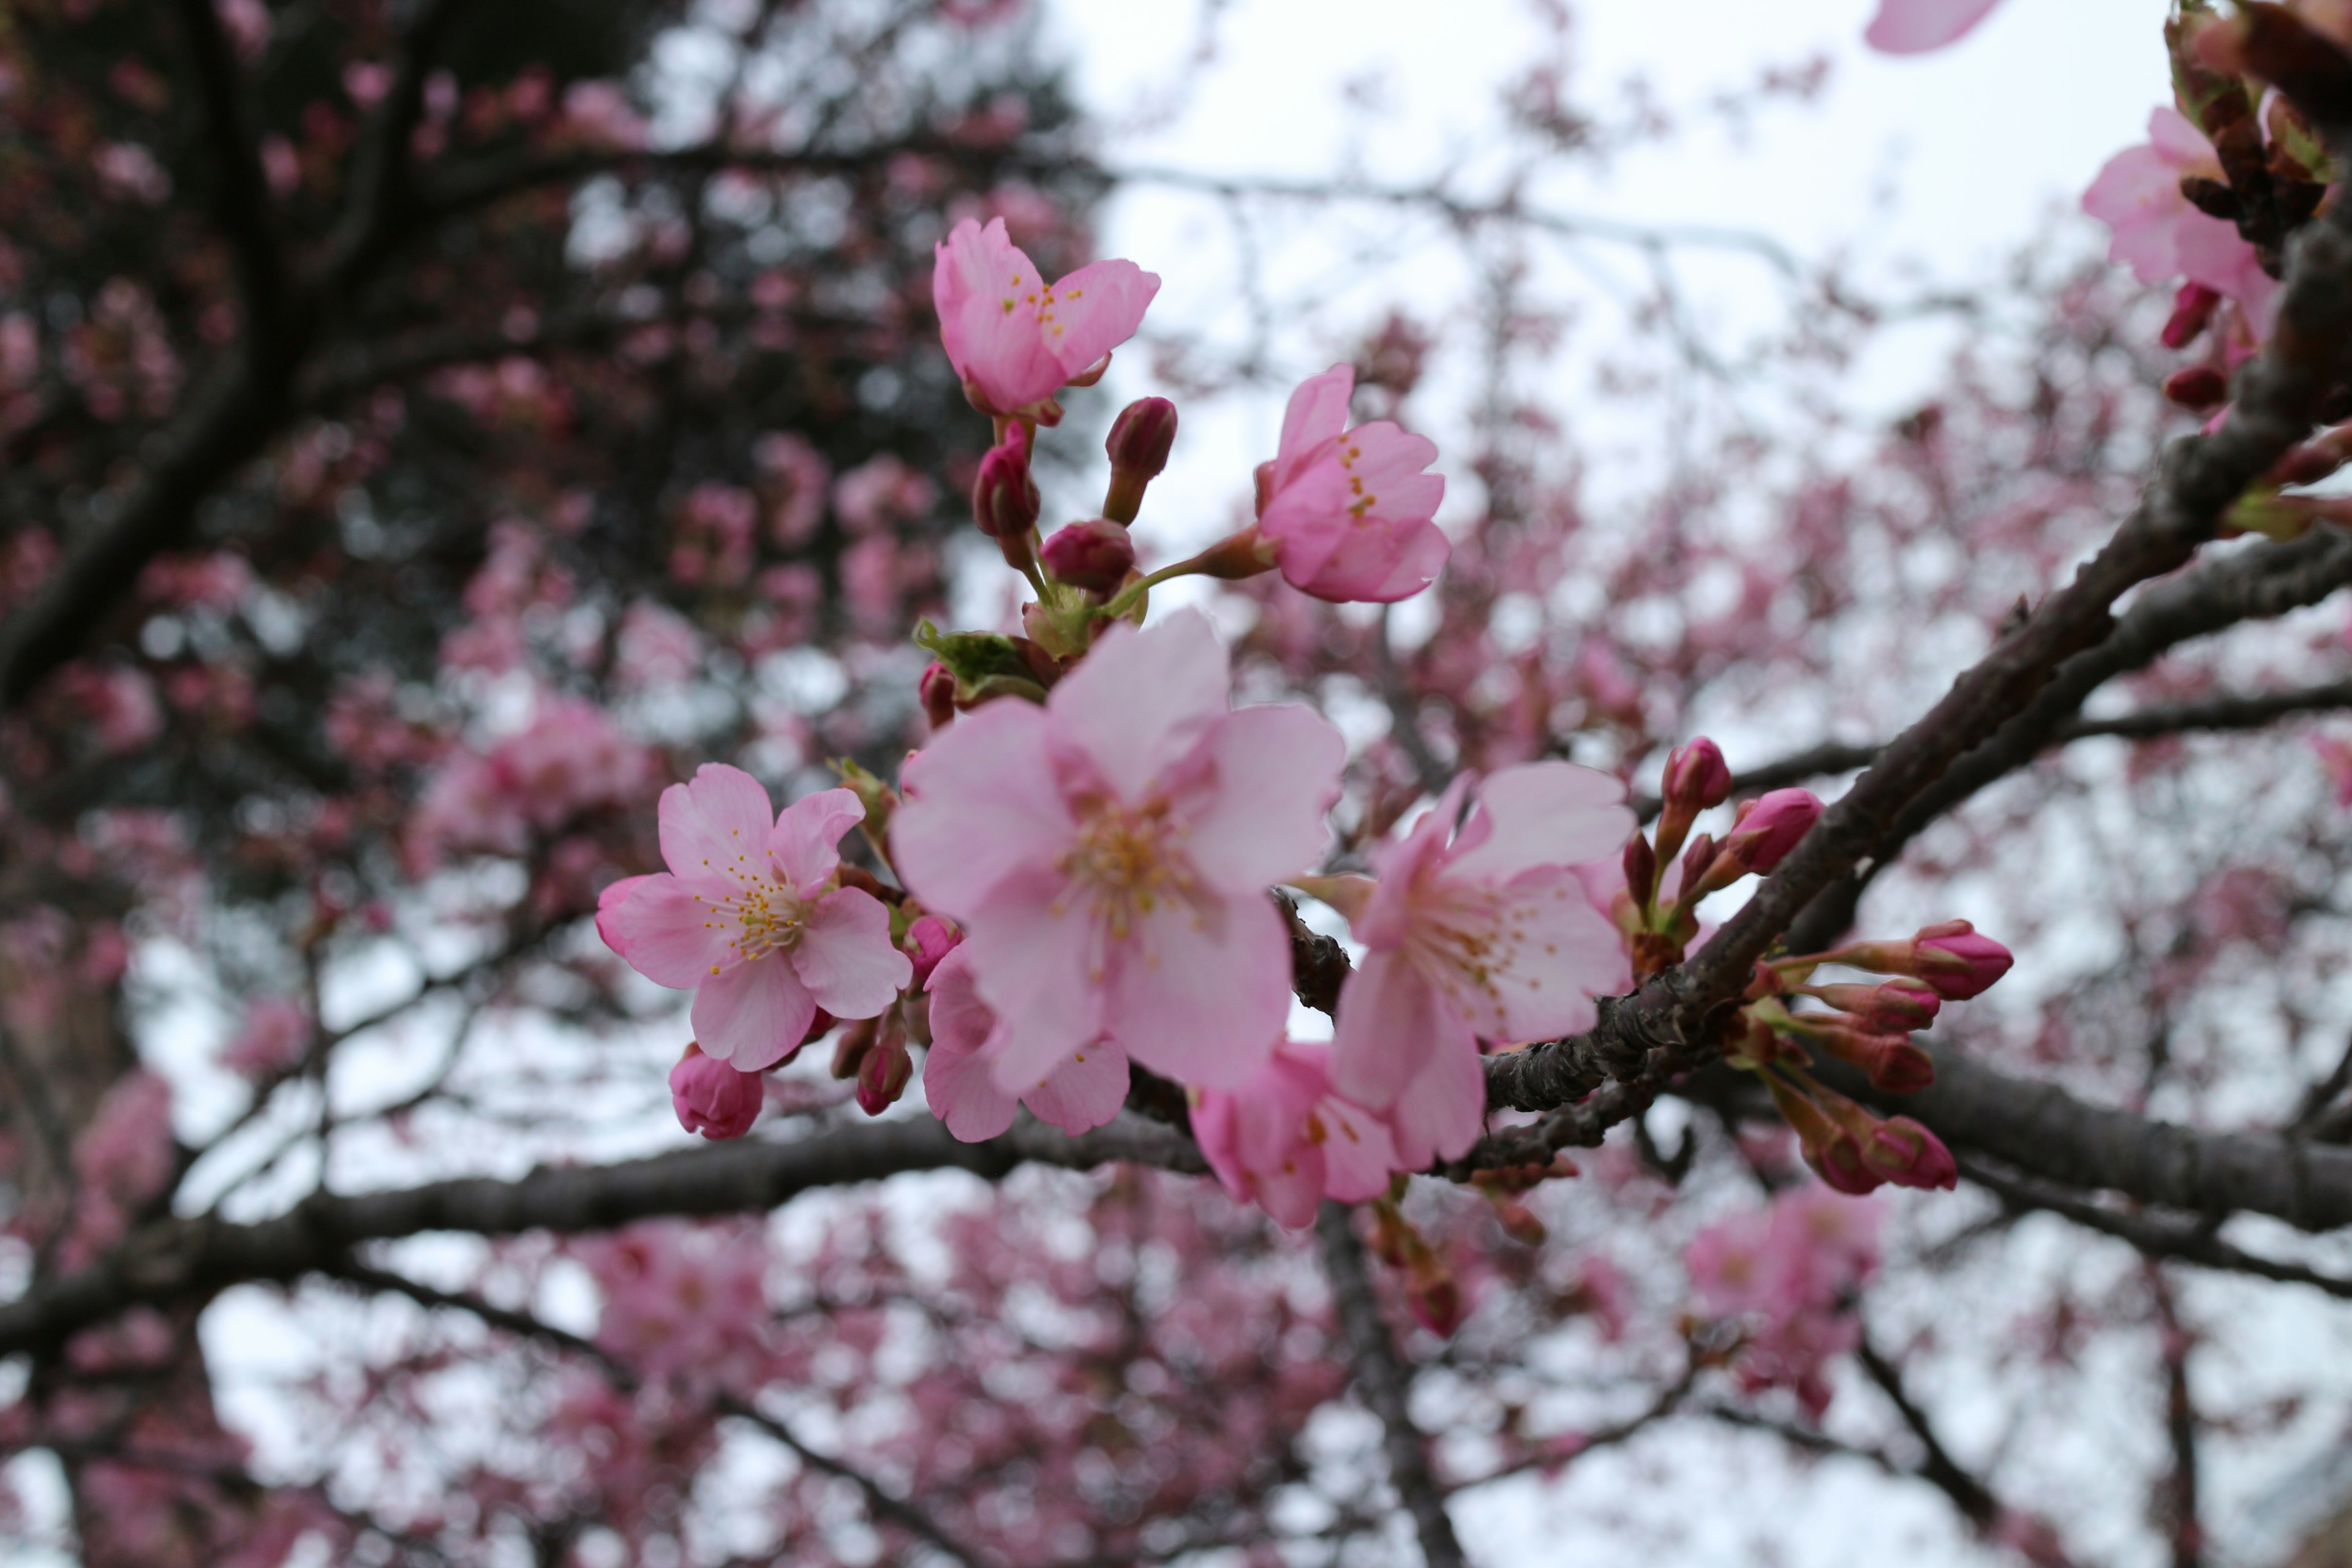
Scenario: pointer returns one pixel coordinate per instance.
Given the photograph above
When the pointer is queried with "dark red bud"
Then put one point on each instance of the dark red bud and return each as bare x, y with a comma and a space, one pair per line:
883, 1075
2201, 386
1139, 444
1696, 777
1641, 870
937, 690
1004, 500
1096, 556
2193, 307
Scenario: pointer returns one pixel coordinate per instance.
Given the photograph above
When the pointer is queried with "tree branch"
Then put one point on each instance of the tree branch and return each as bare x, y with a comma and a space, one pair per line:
243, 196
1384, 1384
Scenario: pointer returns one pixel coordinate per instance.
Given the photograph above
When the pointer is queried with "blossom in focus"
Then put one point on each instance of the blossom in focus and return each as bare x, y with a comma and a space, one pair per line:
1109, 856
749, 917
1349, 511
1286, 1140
1916, 26
1014, 340
1083, 1091
2160, 236
1487, 932
711, 1097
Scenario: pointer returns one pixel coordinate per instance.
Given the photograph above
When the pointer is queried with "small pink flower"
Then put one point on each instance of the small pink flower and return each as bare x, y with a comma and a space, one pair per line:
1014, 340
959, 1074
1108, 855
711, 1097
2160, 236
1916, 26
1287, 1141
748, 916
1485, 932
1349, 511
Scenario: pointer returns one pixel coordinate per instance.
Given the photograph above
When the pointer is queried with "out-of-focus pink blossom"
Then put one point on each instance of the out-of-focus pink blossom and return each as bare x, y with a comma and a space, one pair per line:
712, 1098
2160, 236
683, 1302
1484, 933
274, 1035
881, 494
658, 647
1108, 855
247, 24
1014, 340
600, 112
1916, 26
1287, 1141
750, 918
1349, 511
1083, 1091
1791, 1272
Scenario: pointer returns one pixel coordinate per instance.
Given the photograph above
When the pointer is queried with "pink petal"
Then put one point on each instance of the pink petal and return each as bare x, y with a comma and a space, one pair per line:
1258, 817
1293, 1192
980, 802
1141, 700
1093, 310
845, 957
988, 294
806, 843
1036, 947
2177, 139
1370, 565
663, 931
717, 825
1083, 1093
1540, 814
958, 1082
1391, 1019
1550, 951
1201, 990
1443, 1109
1405, 866
1914, 27
2138, 195
1317, 413
753, 1014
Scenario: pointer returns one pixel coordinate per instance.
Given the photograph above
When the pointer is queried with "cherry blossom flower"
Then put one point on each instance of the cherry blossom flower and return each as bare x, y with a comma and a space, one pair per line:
1109, 856
958, 1078
2161, 236
1285, 1139
1014, 340
1487, 932
1916, 26
1349, 511
1791, 1271
748, 915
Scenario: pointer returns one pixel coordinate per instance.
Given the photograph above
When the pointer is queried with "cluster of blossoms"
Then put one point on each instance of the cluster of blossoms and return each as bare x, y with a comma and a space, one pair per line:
1788, 1277
1074, 882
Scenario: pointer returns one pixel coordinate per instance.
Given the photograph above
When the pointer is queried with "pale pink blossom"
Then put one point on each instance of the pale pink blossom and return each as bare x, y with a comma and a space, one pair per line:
658, 647
1287, 1141
1349, 511
2160, 236
1916, 26
750, 918
1014, 340
1084, 1091
1792, 1274
1485, 932
686, 1301
1109, 856
274, 1035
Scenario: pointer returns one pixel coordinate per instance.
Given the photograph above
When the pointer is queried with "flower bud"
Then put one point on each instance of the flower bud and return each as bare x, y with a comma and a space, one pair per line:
1697, 861
1139, 444
1096, 556
929, 940
883, 1072
1004, 499
711, 1097
1892, 1007
1641, 871
849, 1051
1696, 776
1901, 1152
2199, 387
2193, 307
1767, 829
1244, 555
936, 691
1963, 963
1894, 1063
1831, 1150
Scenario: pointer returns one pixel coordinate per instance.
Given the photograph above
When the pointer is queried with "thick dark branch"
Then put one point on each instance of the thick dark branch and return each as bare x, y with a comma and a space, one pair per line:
1384, 1384
182, 1260
243, 190
2184, 1240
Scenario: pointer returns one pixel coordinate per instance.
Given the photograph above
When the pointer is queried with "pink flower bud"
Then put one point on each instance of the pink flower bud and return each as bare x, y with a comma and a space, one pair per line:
1963, 963
1767, 829
1831, 1149
1096, 556
1138, 445
1890, 1008
937, 691
2201, 386
929, 940
1696, 777
883, 1074
1641, 870
1901, 1152
1004, 500
711, 1097
2191, 308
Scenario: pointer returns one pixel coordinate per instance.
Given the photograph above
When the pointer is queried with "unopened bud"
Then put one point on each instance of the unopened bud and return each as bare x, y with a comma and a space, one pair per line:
1696, 776
1833, 1152
1096, 556
712, 1098
929, 940
1894, 1065
1244, 555
1767, 829
1884, 1008
1004, 500
2193, 307
1963, 963
2199, 387
937, 691
884, 1073
1641, 870
1697, 861
1138, 445
1901, 1152
849, 1051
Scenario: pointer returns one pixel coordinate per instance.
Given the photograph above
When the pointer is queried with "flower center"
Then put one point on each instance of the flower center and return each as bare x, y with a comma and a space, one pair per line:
1128, 861
772, 919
